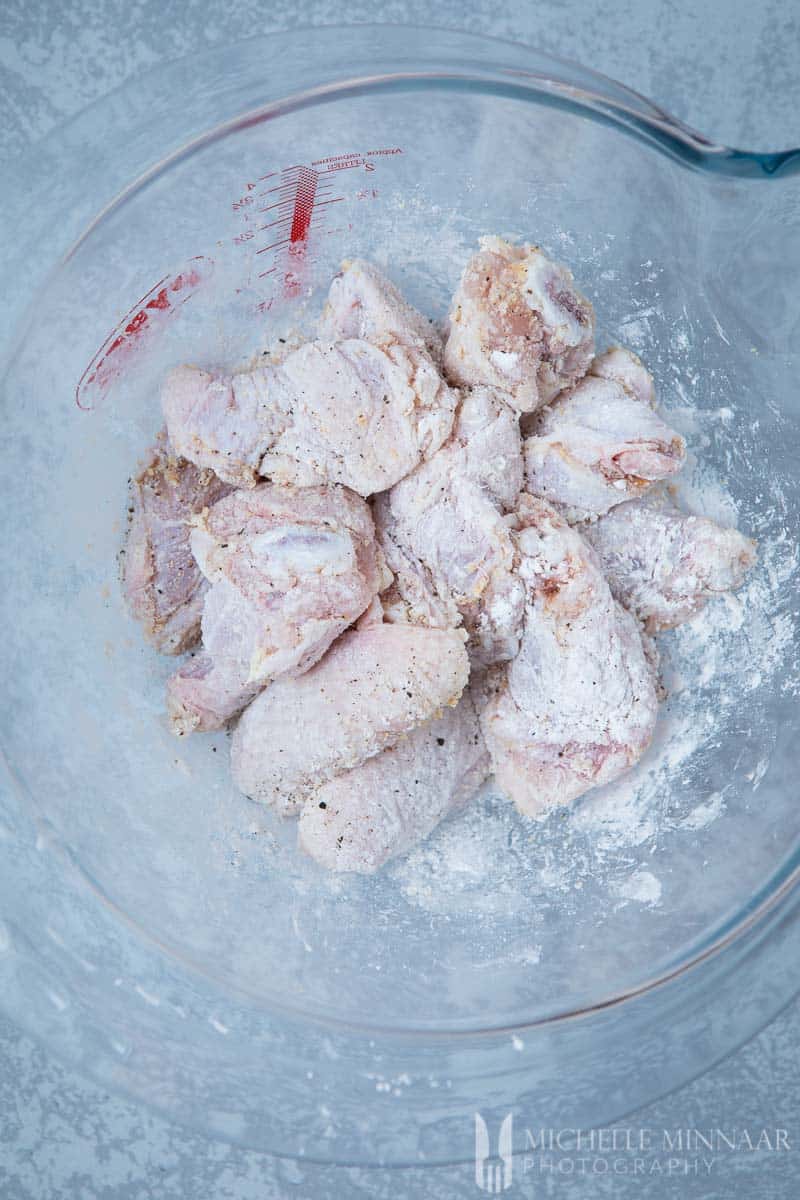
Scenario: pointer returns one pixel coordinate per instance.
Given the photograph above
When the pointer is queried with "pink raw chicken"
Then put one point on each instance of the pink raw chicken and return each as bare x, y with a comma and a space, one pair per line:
375, 684
602, 442
363, 303
663, 564
162, 583
290, 569
518, 323
445, 535
577, 706
346, 412
361, 819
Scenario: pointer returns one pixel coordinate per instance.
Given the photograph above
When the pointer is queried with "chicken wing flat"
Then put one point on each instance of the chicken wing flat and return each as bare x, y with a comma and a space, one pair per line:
391, 802
346, 412
289, 569
375, 684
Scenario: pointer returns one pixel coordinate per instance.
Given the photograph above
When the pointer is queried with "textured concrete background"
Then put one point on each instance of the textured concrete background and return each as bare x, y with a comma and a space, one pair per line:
729, 67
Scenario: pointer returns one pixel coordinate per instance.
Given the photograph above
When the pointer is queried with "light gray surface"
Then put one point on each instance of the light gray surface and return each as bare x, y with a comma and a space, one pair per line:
730, 69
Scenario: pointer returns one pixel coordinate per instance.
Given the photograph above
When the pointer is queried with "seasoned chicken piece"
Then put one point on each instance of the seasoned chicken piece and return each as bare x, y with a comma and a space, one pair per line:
577, 706
412, 597
363, 303
346, 412
290, 569
517, 322
601, 443
162, 583
444, 533
379, 810
663, 564
627, 369
375, 684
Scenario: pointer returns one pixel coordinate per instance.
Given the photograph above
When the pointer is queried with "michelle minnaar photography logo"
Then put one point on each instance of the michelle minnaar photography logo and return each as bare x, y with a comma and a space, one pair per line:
612, 1151
494, 1173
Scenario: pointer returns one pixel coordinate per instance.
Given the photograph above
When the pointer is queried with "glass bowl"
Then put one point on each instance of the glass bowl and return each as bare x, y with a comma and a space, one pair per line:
159, 930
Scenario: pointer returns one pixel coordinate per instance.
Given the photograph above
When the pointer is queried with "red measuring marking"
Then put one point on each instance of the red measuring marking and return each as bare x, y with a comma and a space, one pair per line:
153, 311
303, 204
296, 201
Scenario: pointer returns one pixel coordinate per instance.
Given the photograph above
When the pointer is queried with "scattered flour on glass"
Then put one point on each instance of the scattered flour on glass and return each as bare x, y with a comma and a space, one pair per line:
641, 886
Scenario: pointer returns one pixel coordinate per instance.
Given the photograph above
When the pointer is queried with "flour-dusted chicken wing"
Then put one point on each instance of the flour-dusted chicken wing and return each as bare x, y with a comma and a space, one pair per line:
412, 597
664, 564
517, 322
363, 303
627, 369
375, 684
162, 584
346, 412
577, 706
444, 532
602, 442
290, 569
391, 802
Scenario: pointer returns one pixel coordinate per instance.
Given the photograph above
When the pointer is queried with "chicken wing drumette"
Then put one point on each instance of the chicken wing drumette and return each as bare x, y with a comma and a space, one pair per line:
363, 303
664, 564
445, 523
577, 706
518, 323
602, 442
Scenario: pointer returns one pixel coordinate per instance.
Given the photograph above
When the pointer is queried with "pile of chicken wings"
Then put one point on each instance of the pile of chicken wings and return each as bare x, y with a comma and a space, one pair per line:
402, 558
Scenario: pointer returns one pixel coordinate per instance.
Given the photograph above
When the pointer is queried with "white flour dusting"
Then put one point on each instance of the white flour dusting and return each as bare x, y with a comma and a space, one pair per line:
641, 886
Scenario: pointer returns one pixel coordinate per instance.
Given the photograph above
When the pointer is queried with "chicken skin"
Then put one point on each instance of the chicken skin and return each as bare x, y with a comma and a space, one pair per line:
381, 809
290, 569
162, 584
444, 524
577, 706
518, 323
346, 412
664, 564
375, 684
601, 443
363, 303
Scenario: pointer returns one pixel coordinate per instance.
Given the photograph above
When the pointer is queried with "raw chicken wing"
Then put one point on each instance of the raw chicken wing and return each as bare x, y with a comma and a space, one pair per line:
518, 323
663, 564
363, 303
602, 442
361, 819
162, 583
446, 519
375, 684
346, 412
290, 569
577, 706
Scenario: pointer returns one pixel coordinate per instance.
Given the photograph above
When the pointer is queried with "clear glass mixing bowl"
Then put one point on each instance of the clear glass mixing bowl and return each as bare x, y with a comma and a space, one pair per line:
158, 929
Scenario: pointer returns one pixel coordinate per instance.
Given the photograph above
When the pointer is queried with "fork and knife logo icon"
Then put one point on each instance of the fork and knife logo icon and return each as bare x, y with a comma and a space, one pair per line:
494, 1174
